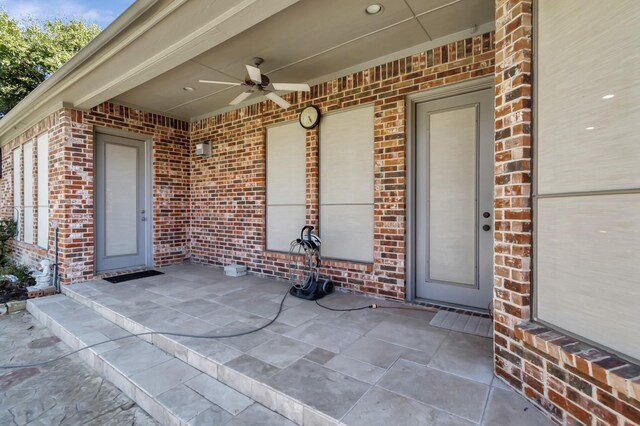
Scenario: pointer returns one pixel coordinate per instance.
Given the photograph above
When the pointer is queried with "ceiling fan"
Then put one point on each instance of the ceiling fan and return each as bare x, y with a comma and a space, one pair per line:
258, 83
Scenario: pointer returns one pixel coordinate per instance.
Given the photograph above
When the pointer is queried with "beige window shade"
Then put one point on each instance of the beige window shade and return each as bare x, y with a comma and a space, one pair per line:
43, 190
586, 52
588, 255
452, 196
286, 184
17, 193
588, 148
27, 181
346, 185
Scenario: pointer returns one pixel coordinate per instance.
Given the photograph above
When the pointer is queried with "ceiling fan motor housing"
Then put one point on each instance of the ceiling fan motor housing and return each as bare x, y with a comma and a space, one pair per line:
265, 81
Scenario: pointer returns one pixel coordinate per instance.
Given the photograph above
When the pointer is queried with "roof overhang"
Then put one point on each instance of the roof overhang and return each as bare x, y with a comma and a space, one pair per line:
148, 39
152, 51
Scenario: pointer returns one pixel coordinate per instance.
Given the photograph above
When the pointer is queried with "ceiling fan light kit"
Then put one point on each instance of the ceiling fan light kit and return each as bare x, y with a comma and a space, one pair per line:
259, 83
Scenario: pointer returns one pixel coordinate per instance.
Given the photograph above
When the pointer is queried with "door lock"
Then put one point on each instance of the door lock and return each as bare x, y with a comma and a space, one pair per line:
486, 215
486, 227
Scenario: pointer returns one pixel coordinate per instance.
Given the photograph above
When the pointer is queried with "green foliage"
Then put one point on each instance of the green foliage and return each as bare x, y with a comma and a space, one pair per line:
30, 52
21, 272
8, 230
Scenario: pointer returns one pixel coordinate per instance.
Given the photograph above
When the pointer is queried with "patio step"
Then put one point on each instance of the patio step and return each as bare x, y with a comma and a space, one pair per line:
171, 390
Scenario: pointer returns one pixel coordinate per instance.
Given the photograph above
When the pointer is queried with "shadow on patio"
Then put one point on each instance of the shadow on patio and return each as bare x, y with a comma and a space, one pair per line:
313, 366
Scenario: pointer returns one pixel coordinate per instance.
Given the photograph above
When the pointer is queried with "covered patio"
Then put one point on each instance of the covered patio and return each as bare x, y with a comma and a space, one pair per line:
312, 365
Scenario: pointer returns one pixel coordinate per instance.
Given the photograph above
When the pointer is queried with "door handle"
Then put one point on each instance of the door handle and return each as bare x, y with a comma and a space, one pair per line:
486, 227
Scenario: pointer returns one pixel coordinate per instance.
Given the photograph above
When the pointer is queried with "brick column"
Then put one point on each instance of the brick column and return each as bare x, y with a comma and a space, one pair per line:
313, 178
71, 194
512, 190
571, 380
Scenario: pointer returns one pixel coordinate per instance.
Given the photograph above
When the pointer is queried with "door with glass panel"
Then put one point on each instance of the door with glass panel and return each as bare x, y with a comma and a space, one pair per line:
121, 231
454, 201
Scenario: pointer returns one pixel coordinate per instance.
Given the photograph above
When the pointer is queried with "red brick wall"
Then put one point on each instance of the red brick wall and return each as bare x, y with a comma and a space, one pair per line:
228, 189
29, 254
71, 138
574, 382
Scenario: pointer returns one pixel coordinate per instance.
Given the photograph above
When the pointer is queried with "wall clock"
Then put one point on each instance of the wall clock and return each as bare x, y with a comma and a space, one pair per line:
310, 117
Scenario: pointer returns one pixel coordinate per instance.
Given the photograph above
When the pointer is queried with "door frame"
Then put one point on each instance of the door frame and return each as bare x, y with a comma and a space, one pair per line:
412, 101
147, 143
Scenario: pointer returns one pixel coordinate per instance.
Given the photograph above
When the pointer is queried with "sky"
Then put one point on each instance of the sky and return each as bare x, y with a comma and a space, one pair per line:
100, 12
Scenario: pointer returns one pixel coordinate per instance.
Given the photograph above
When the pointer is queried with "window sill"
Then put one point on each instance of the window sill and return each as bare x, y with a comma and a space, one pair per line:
33, 248
347, 264
366, 267
605, 368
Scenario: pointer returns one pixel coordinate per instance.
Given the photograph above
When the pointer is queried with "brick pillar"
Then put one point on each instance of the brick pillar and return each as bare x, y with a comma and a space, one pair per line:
71, 194
512, 188
313, 178
389, 195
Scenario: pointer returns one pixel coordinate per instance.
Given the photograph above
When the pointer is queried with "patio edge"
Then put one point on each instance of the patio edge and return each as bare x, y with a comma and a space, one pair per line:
283, 404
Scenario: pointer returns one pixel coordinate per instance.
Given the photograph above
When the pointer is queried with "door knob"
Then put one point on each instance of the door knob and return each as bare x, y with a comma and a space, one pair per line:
486, 227
486, 214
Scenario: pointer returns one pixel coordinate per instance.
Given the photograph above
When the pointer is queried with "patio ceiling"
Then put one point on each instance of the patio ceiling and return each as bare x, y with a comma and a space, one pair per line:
309, 41
157, 47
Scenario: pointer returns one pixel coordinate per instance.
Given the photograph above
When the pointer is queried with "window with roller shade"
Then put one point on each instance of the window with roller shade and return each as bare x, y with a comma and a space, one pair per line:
43, 190
27, 182
346, 185
17, 193
286, 184
587, 194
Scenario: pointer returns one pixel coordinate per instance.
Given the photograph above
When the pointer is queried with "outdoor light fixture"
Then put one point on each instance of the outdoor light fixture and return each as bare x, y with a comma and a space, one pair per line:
589, 128
188, 89
608, 96
203, 149
374, 9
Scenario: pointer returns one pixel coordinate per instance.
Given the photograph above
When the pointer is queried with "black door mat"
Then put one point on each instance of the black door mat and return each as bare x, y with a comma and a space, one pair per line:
133, 276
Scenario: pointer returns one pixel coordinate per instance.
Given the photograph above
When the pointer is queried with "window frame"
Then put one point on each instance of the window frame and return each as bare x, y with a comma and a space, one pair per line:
373, 203
266, 182
536, 196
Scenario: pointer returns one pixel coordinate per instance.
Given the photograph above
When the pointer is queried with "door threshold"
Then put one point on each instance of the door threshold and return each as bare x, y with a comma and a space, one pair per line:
444, 306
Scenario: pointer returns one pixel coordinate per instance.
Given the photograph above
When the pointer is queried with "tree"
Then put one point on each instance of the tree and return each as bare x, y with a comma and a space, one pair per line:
30, 52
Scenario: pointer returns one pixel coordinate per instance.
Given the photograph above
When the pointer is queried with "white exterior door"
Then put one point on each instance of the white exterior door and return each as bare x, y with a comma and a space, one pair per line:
122, 231
454, 201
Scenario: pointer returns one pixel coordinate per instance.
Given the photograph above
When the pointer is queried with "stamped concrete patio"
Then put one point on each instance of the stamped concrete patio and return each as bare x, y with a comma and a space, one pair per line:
313, 366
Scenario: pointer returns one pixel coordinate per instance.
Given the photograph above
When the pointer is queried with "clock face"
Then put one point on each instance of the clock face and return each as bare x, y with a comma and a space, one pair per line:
309, 117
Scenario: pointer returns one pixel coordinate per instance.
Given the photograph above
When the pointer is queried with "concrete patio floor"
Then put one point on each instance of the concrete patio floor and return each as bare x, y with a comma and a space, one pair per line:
65, 393
312, 365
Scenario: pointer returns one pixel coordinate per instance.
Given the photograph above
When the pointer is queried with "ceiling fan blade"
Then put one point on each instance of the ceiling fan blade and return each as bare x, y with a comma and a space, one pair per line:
228, 83
241, 97
254, 74
296, 87
277, 99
